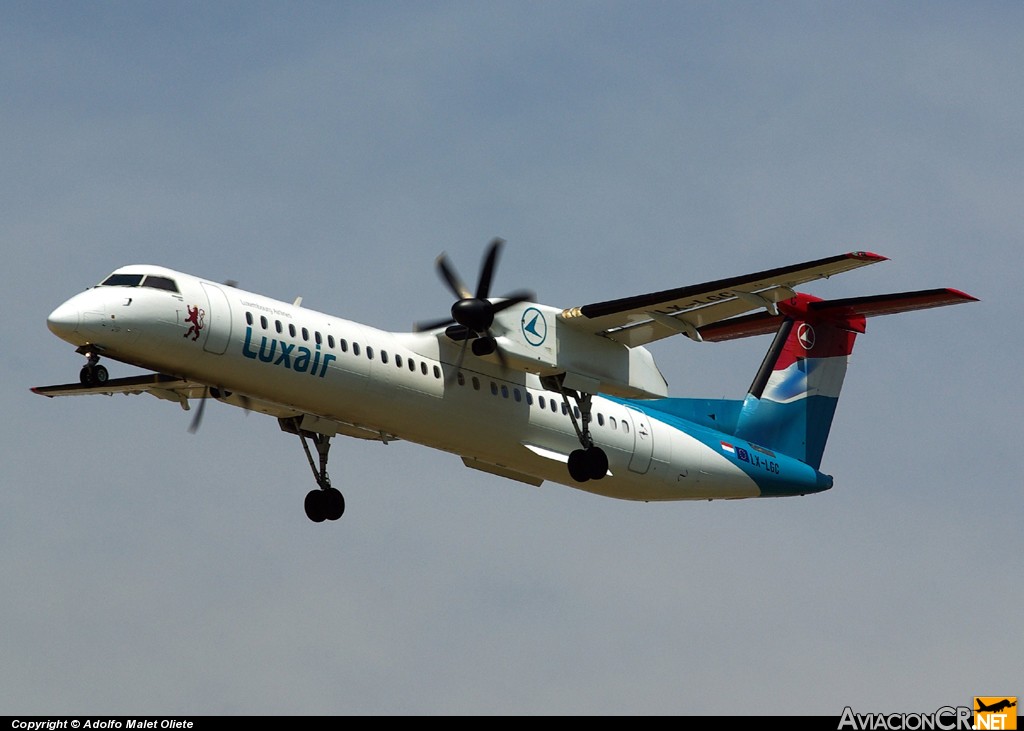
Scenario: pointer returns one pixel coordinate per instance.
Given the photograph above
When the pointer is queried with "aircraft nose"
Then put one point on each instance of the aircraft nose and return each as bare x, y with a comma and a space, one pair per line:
63, 322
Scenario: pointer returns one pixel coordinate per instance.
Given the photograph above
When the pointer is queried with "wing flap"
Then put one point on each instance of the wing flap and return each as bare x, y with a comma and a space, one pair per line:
630, 320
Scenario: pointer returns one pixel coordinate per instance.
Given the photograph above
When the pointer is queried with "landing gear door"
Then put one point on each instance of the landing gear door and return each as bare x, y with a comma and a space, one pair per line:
643, 441
218, 320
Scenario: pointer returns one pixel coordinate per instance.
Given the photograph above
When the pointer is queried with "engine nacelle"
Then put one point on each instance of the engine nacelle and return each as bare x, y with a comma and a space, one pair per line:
534, 340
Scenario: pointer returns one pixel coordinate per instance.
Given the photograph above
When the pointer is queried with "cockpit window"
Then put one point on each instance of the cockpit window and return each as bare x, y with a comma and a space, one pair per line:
122, 280
160, 283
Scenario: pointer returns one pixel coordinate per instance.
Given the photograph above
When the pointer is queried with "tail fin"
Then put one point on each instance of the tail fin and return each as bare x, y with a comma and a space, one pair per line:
793, 398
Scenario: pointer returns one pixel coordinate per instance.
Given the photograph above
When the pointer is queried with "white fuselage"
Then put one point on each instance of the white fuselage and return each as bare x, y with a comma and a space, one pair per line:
348, 378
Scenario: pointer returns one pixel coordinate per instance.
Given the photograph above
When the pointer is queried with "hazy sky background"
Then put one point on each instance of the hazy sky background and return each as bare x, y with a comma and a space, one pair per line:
332, 150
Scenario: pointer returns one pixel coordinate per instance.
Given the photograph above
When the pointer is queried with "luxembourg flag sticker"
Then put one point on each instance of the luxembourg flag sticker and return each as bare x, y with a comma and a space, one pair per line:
726, 447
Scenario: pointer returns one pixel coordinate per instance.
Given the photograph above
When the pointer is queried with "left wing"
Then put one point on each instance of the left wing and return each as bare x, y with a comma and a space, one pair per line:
169, 388
158, 384
180, 390
645, 318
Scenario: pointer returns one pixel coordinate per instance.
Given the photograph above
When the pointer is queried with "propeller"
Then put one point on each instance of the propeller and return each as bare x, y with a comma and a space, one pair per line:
473, 314
217, 393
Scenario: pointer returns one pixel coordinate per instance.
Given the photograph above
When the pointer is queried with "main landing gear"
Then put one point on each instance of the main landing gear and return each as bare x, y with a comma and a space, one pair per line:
590, 462
92, 374
325, 503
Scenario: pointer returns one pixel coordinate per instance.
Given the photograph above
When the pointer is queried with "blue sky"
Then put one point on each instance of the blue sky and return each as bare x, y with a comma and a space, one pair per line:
332, 151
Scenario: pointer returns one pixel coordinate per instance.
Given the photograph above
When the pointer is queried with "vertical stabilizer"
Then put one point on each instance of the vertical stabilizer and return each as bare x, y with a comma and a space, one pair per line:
793, 398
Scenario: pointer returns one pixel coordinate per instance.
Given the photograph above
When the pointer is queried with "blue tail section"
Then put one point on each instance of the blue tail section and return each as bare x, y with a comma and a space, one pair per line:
793, 398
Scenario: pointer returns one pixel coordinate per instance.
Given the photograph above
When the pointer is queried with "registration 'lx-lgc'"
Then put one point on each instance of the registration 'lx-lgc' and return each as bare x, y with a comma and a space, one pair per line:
514, 387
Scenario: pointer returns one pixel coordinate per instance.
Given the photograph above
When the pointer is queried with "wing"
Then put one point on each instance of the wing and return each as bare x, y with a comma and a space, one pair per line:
645, 318
764, 323
158, 384
179, 390
169, 388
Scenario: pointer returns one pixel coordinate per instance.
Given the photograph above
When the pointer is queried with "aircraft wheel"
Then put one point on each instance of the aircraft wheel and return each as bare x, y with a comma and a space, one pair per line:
334, 503
99, 375
316, 506
597, 463
86, 376
578, 467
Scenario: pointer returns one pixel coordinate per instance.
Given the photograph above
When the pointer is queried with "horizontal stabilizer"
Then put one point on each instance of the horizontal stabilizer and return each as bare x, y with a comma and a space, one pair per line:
762, 323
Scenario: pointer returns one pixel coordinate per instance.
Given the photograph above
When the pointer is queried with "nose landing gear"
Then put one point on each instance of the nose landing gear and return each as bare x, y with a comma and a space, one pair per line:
92, 374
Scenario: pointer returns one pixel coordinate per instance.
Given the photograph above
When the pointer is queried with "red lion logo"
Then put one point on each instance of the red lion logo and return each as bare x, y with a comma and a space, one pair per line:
195, 316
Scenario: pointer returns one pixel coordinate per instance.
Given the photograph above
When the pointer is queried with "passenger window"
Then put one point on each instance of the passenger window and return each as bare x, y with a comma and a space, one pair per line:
504, 391
529, 398
423, 369
476, 383
344, 345
398, 361
369, 353
305, 334
317, 337
248, 318
263, 322
613, 423
278, 326
494, 388
330, 342
383, 356
625, 426
600, 419
518, 396
412, 365
576, 411
437, 371
554, 406
291, 329
461, 379
355, 348
542, 402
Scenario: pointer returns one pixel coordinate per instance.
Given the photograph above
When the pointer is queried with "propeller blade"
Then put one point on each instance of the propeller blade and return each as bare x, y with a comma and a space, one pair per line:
432, 324
458, 363
483, 287
451, 278
502, 358
514, 298
198, 418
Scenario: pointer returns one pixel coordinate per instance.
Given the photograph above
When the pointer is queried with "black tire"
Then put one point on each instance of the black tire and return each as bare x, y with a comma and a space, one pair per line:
100, 375
597, 462
86, 376
578, 466
316, 506
334, 503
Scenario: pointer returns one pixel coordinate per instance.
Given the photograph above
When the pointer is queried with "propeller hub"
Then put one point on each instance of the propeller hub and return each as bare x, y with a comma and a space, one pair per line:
474, 314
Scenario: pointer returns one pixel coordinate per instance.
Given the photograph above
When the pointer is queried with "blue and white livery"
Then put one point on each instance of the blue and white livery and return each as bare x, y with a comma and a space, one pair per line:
516, 388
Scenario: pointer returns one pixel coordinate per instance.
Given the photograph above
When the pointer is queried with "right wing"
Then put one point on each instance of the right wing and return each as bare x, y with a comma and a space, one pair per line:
645, 318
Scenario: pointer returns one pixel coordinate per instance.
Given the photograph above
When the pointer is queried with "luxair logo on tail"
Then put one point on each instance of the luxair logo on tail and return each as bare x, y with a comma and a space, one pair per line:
995, 712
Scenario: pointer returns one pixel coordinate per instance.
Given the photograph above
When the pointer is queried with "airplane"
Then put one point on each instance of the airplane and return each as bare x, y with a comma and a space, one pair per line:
516, 388
995, 707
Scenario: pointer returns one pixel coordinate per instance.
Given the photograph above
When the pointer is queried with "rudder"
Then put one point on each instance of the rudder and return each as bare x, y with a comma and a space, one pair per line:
793, 398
